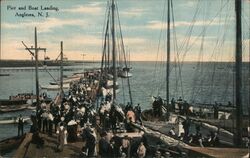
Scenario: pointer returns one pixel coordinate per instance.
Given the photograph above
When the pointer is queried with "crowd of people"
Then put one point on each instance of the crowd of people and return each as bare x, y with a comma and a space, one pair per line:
195, 137
76, 118
182, 107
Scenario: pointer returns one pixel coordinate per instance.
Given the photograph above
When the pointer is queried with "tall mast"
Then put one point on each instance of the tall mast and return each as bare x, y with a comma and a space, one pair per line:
36, 65
61, 71
37, 79
113, 50
238, 74
168, 54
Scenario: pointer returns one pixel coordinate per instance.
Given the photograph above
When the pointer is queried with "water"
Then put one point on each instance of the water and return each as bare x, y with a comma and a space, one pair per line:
206, 83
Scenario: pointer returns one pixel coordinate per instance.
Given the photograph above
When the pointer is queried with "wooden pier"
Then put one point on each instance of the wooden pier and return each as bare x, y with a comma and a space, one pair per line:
49, 149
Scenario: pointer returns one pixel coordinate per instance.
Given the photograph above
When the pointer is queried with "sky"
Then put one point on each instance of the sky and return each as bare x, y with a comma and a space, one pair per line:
202, 29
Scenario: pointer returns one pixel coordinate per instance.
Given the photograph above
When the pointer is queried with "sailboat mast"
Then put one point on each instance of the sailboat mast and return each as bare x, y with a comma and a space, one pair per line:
113, 50
37, 79
238, 73
61, 71
168, 54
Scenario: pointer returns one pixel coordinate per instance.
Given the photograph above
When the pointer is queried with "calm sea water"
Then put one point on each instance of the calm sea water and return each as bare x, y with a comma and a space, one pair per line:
204, 83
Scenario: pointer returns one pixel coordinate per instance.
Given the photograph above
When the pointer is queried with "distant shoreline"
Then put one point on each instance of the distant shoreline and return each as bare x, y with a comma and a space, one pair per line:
30, 63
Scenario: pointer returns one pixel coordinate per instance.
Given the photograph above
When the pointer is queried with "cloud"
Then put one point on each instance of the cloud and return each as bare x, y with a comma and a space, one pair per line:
132, 12
134, 41
163, 25
93, 8
46, 25
85, 40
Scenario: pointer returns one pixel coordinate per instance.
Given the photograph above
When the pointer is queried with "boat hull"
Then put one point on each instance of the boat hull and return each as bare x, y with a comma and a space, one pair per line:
9, 144
12, 120
55, 87
13, 108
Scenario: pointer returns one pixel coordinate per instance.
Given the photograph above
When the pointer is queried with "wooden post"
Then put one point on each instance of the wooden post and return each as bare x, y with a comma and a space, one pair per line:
61, 72
114, 51
36, 66
37, 77
168, 55
238, 74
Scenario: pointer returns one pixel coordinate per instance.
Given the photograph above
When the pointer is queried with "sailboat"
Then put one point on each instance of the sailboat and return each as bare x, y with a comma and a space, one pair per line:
112, 49
162, 108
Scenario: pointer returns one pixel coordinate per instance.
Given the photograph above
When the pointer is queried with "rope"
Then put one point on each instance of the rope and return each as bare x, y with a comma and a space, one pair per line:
123, 51
157, 54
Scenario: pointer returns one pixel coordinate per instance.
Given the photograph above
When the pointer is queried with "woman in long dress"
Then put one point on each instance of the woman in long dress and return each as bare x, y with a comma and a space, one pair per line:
61, 137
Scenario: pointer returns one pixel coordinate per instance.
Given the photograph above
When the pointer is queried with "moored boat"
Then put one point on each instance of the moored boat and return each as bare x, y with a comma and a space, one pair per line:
8, 144
12, 102
201, 128
13, 108
55, 87
66, 80
11, 120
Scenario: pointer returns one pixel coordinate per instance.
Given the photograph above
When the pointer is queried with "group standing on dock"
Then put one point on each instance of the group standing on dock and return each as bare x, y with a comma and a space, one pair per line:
79, 118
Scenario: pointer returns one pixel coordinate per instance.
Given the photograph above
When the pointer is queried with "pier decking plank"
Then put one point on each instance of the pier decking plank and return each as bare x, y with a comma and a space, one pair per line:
21, 151
49, 149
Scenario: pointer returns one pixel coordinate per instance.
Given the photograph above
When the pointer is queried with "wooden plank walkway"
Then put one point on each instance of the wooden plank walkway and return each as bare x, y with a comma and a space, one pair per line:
29, 150
49, 149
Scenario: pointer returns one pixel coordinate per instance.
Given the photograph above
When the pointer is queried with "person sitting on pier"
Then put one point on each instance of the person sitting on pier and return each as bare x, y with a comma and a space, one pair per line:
20, 125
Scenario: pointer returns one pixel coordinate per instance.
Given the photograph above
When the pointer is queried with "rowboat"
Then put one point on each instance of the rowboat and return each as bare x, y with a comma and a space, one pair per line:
8, 144
55, 87
12, 102
13, 108
11, 120
67, 80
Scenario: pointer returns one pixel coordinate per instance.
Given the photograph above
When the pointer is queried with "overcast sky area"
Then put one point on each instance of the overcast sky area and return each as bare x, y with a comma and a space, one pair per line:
203, 29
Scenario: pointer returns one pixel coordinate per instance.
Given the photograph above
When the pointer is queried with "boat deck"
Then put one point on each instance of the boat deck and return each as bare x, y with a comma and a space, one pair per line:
220, 152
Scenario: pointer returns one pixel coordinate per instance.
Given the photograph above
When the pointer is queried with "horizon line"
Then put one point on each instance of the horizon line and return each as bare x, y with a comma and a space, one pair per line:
130, 61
